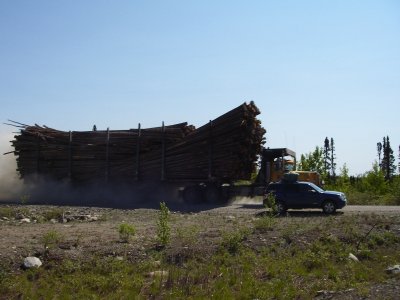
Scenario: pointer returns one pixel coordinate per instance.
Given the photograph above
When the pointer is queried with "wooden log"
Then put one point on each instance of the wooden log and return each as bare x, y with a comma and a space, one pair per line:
230, 150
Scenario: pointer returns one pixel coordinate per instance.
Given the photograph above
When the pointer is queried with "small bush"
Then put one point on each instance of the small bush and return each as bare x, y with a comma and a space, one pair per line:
51, 239
270, 204
13, 212
378, 239
7, 212
265, 223
163, 226
126, 231
3, 272
56, 214
232, 242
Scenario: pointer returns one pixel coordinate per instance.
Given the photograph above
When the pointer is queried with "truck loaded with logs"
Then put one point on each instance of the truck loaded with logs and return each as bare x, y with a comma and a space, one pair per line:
204, 163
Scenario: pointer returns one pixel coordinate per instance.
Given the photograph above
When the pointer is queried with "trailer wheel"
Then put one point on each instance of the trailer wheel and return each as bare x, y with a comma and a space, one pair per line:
193, 194
212, 194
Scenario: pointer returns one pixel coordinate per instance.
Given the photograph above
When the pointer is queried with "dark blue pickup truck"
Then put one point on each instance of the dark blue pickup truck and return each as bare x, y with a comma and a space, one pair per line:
301, 194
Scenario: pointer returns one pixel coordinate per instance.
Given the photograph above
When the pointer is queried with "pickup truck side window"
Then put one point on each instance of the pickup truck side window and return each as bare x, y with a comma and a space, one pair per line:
305, 188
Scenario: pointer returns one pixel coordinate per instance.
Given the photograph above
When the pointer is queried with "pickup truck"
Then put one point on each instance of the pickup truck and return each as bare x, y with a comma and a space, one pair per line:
299, 194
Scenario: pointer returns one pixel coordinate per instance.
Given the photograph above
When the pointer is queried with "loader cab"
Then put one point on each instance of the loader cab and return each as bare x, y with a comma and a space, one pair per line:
285, 164
277, 162
274, 163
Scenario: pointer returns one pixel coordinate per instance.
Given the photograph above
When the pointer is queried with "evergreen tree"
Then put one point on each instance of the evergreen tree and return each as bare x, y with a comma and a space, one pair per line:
379, 147
333, 159
388, 161
326, 152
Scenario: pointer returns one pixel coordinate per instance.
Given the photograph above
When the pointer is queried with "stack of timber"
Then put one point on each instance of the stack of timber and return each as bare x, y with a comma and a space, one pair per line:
89, 156
225, 149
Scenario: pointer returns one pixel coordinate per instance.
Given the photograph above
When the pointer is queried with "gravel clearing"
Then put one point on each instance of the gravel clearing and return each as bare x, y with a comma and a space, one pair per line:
88, 231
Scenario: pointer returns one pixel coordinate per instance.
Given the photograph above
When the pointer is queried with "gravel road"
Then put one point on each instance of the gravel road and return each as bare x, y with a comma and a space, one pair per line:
254, 208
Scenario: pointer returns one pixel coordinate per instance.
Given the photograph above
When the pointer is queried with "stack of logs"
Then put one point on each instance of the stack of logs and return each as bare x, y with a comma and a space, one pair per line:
225, 149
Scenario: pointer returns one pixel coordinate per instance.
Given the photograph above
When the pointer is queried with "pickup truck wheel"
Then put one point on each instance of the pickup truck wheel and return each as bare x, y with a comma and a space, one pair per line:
280, 207
328, 207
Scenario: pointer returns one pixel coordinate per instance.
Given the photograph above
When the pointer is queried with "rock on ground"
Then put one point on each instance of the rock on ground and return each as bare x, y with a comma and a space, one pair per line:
32, 261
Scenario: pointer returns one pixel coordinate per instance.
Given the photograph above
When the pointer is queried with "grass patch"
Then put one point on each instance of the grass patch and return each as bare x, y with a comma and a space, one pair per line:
366, 198
55, 213
265, 223
304, 256
51, 239
7, 212
286, 274
232, 241
13, 212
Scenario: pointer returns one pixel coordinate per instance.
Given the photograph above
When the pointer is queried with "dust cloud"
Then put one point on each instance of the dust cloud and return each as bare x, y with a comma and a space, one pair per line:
257, 200
11, 187
40, 190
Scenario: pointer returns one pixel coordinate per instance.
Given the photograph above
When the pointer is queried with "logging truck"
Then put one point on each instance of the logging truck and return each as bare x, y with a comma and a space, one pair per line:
274, 164
204, 164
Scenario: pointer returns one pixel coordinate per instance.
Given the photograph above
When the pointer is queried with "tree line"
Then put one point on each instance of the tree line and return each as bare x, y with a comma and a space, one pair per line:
380, 185
323, 159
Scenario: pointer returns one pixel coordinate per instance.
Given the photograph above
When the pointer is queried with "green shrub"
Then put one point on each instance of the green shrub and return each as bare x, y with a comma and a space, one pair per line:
265, 223
126, 231
270, 204
163, 226
7, 212
232, 241
55, 213
51, 239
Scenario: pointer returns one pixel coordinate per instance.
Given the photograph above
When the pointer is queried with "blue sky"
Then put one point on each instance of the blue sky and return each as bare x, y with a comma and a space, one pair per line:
314, 68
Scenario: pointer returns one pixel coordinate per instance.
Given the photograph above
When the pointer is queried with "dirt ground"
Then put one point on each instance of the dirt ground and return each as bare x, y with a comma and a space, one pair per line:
88, 231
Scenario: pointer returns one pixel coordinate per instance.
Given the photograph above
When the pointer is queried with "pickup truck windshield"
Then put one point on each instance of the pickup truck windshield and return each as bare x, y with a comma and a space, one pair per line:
316, 187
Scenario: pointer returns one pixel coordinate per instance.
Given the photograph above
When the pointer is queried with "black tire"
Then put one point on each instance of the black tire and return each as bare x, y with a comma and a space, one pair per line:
329, 207
193, 194
212, 194
281, 207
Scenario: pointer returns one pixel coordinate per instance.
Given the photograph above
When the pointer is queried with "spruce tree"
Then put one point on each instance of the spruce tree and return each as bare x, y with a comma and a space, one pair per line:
333, 159
379, 147
388, 161
327, 164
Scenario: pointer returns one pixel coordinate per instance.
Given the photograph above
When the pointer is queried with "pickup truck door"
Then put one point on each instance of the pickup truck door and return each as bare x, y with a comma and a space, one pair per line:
291, 195
308, 196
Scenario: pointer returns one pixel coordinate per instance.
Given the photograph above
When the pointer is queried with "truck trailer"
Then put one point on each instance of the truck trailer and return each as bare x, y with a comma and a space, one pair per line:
205, 164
